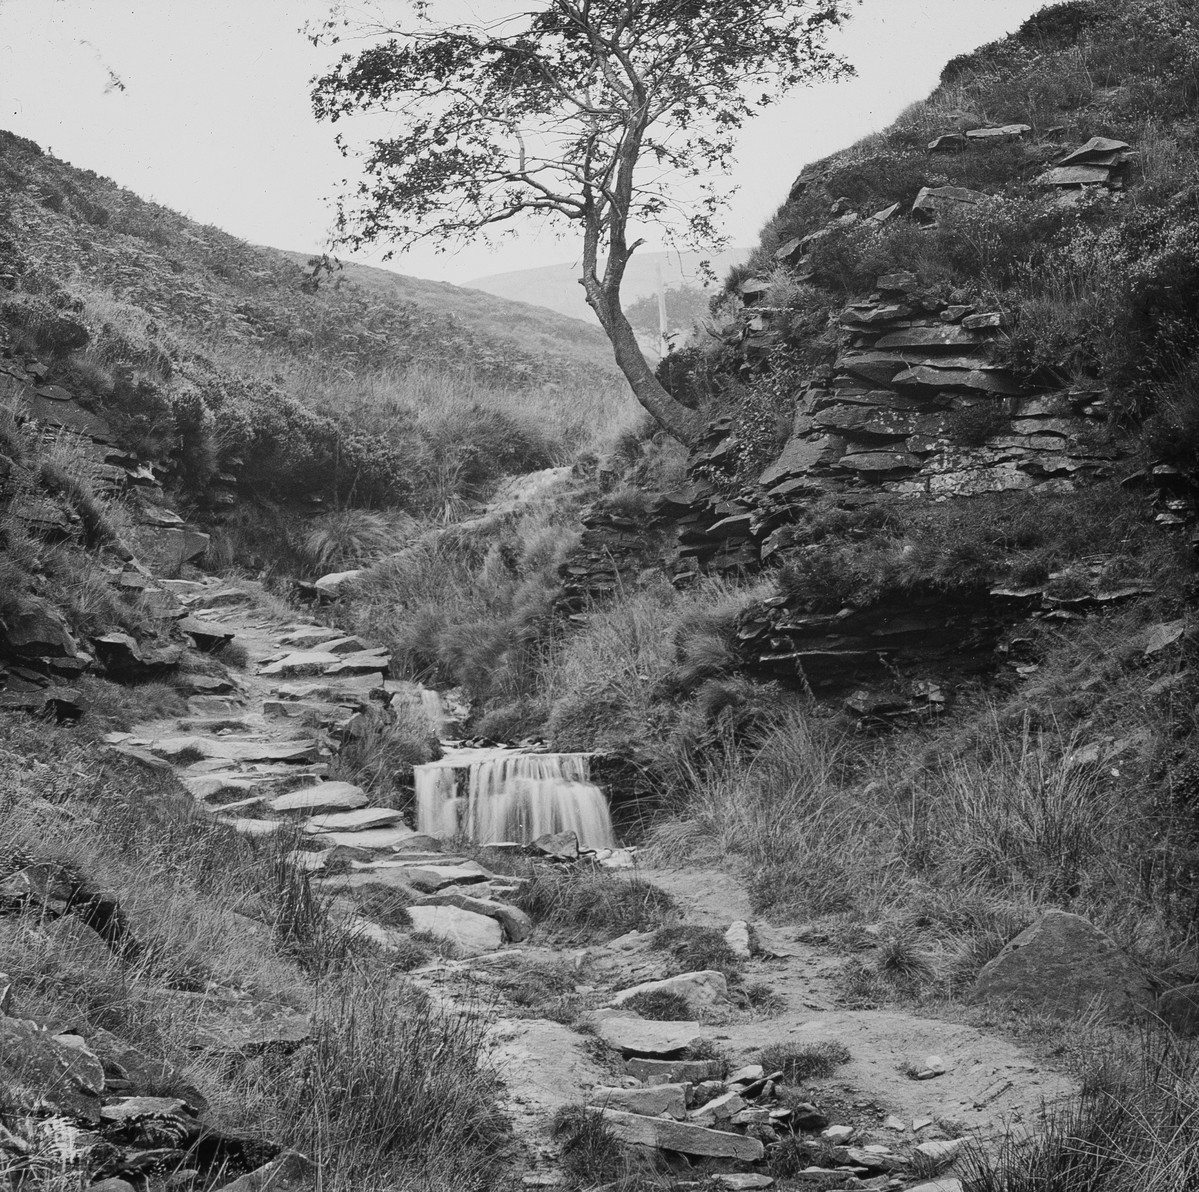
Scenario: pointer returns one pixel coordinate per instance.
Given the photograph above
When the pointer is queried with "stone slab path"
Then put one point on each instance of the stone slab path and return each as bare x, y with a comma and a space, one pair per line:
260, 758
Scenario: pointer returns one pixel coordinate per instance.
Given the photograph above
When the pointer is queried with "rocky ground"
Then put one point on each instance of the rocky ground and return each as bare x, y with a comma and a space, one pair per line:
900, 1099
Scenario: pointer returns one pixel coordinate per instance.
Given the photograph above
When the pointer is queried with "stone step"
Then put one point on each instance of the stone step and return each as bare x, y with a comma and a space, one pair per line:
358, 820
665, 1134
234, 749
322, 797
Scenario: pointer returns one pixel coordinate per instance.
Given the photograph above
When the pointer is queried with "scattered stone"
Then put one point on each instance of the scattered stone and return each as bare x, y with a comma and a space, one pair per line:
719, 1109
941, 1150
41, 1072
838, 1134
436, 877
894, 1123
209, 636
742, 1181
707, 988
366, 663
680, 1136
374, 839
1063, 964
336, 583
35, 629
750, 1074
938, 1186
654, 1100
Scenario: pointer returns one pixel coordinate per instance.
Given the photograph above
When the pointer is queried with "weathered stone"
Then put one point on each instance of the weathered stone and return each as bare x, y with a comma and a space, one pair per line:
1075, 176
311, 636
671, 1071
741, 1181
1096, 147
324, 796
950, 142
336, 582
802, 455
944, 1185
516, 924
371, 838
470, 934
641, 1036
898, 283
680, 1136
357, 820
225, 1023
235, 749
1063, 964
1001, 133
221, 598
706, 988
130, 661
124, 1108
654, 1100
364, 663
436, 877
209, 636
932, 199
942, 335
300, 663
35, 629
984, 380
718, 1109
41, 1072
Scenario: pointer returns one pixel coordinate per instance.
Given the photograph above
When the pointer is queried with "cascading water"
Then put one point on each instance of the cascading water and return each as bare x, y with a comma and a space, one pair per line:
492, 795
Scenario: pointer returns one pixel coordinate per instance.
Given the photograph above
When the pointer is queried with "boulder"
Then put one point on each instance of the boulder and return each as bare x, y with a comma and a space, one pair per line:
1064, 964
680, 1136
654, 1101
470, 934
706, 988
185, 544
127, 660
37, 630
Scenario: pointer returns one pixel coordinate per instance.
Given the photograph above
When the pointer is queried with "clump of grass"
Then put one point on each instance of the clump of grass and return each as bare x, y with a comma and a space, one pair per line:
113, 706
391, 1091
591, 903
697, 948
760, 997
589, 1150
660, 1005
811, 1061
901, 961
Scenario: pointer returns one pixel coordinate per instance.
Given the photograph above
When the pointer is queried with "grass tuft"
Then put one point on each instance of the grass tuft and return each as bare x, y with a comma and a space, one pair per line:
812, 1061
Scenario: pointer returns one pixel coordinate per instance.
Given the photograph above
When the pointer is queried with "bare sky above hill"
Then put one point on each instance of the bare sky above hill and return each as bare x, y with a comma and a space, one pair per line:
202, 105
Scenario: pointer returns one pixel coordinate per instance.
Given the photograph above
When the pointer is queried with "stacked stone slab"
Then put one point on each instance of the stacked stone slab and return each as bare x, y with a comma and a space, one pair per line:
612, 553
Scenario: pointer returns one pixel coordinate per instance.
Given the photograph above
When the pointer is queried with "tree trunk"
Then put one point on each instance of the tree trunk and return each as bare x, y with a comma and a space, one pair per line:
675, 418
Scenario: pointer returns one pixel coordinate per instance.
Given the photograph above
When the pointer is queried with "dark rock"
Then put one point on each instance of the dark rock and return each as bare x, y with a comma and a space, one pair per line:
1004, 132
1064, 964
933, 199
129, 661
1076, 176
41, 1072
37, 630
208, 636
1097, 148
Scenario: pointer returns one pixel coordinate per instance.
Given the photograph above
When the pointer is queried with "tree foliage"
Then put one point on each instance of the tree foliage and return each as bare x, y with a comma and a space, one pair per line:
606, 114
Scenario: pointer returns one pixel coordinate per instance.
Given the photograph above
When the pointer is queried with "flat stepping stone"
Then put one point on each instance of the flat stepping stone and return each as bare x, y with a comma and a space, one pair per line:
354, 821
437, 877
350, 645
370, 838
311, 636
653, 1101
470, 934
324, 796
391, 879
516, 924
364, 663
673, 1071
690, 1139
706, 988
287, 709
233, 749
643, 1036
252, 827
302, 662
208, 636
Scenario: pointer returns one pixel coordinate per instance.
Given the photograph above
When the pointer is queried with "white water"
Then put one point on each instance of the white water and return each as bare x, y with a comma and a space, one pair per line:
492, 795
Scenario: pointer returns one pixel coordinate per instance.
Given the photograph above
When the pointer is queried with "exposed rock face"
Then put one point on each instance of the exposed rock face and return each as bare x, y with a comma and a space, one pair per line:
1064, 964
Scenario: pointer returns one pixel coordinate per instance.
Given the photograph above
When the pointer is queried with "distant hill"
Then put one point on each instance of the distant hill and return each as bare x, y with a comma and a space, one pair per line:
557, 286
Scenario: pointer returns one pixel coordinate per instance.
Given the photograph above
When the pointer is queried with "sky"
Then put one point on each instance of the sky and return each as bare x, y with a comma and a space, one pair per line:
202, 106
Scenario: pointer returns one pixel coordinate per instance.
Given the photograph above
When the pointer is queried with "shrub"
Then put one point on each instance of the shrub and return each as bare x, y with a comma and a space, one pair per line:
696, 948
800, 1063
659, 1004
583, 903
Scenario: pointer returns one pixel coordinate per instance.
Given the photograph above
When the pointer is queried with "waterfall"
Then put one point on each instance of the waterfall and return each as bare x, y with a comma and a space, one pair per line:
492, 795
